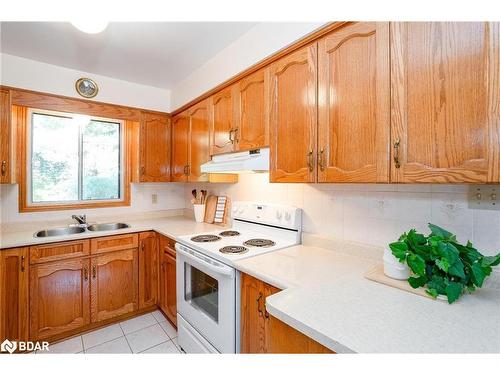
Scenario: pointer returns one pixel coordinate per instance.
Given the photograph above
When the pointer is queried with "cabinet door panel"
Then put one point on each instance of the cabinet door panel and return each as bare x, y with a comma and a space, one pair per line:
180, 147
253, 335
354, 110
293, 116
199, 141
59, 298
168, 293
5, 137
114, 284
148, 269
221, 119
154, 148
250, 113
445, 94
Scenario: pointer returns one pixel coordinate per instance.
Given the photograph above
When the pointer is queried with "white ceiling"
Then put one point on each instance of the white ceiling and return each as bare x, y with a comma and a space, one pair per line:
158, 54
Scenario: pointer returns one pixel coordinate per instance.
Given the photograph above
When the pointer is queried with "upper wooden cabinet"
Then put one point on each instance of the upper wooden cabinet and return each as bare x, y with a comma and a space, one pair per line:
14, 282
292, 104
6, 144
148, 269
354, 104
221, 122
251, 124
180, 147
199, 140
154, 148
444, 96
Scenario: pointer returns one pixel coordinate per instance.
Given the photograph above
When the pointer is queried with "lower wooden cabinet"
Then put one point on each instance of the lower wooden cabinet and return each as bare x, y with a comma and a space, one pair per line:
261, 332
59, 297
14, 294
148, 269
168, 295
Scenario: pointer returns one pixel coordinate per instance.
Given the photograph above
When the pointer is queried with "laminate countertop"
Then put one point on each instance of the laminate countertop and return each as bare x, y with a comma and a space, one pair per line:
172, 226
326, 297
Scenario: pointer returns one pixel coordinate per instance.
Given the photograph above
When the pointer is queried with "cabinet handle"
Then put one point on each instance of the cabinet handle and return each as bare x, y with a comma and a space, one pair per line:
231, 135
4, 167
396, 153
142, 245
85, 273
23, 268
94, 272
258, 303
321, 160
236, 137
310, 162
185, 169
143, 170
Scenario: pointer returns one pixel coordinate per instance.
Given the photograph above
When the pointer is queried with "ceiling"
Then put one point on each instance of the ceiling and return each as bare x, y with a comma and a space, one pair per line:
158, 54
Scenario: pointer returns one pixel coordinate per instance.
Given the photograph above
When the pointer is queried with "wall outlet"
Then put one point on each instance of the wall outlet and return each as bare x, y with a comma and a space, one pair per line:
485, 197
154, 198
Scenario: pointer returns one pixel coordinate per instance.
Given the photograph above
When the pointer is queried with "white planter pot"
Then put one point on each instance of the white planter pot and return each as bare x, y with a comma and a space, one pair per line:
199, 212
393, 268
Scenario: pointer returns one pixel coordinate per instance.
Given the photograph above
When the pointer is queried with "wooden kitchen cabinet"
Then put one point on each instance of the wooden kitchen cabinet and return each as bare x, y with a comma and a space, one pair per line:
292, 102
114, 284
445, 90
221, 122
59, 297
7, 140
148, 269
181, 135
354, 104
154, 147
251, 124
261, 332
14, 302
168, 284
199, 140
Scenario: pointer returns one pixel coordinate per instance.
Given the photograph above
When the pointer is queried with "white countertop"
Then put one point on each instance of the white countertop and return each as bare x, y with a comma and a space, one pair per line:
327, 298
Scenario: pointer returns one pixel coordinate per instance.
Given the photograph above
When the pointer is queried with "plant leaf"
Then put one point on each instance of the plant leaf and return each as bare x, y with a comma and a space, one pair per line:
438, 231
442, 264
416, 264
454, 291
478, 275
399, 250
417, 282
432, 292
457, 269
492, 261
448, 251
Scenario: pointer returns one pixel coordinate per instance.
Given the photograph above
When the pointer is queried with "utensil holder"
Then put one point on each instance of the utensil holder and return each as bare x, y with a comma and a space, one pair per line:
199, 212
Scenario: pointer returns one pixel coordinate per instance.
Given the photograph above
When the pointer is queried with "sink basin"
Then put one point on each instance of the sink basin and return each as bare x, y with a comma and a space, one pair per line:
59, 232
107, 226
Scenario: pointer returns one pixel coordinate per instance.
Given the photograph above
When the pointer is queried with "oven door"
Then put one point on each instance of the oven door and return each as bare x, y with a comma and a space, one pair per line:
206, 297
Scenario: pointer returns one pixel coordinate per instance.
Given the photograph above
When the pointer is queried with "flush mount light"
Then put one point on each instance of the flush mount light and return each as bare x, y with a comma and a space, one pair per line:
90, 26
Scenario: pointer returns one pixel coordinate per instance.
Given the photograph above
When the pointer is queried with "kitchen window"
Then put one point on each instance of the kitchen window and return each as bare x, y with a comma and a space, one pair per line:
73, 159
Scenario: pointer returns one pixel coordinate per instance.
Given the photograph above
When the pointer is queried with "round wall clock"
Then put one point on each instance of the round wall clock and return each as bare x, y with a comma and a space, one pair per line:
86, 87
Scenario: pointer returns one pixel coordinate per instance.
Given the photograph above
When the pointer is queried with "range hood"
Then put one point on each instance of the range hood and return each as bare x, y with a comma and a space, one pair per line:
239, 162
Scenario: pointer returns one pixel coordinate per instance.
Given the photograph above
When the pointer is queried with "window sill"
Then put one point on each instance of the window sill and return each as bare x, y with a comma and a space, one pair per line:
72, 206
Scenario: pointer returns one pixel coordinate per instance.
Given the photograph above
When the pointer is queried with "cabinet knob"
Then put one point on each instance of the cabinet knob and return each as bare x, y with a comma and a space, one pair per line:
310, 162
397, 164
4, 167
94, 272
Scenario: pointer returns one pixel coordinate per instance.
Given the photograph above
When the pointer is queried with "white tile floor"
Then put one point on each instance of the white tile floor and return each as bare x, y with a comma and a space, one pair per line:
148, 333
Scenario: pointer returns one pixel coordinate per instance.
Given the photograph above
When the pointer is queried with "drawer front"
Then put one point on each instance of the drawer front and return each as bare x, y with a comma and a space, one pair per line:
113, 243
167, 245
59, 251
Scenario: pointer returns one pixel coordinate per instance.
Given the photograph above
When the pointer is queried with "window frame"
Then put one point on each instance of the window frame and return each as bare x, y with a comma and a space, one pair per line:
26, 204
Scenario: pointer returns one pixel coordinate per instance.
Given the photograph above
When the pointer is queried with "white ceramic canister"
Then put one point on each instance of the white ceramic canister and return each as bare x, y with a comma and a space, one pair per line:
199, 212
394, 268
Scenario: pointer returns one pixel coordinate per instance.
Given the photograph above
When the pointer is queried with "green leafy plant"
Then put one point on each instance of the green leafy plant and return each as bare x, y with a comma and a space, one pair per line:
442, 264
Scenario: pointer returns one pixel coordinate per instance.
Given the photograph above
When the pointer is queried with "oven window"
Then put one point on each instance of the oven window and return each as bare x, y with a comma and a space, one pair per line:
202, 291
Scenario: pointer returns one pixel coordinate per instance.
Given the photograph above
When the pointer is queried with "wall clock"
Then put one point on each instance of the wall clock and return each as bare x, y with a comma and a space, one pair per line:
86, 87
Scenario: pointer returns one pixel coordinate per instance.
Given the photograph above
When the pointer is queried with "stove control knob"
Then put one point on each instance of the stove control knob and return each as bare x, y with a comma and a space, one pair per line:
279, 215
288, 216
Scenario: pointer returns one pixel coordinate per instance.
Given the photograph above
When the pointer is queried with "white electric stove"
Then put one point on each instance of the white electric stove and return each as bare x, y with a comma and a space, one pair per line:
208, 303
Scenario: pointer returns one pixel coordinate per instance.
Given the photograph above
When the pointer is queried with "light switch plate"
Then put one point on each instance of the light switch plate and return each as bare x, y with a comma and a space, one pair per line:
484, 197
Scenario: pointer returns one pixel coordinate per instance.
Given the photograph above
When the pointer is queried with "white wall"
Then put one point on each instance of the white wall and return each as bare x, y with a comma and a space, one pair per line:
34, 75
372, 214
259, 42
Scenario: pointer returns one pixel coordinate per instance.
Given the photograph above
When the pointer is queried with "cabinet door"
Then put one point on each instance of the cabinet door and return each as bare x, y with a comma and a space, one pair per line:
354, 104
293, 116
251, 122
221, 122
168, 292
154, 148
253, 334
199, 141
445, 89
148, 269
180, 147
114, 284
59, 298
14, 282
5, 137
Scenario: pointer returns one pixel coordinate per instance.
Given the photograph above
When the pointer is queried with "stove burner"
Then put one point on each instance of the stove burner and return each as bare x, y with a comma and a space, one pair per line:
205, 238
233, 250
259, 242
229, 233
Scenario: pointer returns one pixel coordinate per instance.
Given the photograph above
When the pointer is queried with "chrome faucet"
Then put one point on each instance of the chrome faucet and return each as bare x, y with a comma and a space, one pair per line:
80, 219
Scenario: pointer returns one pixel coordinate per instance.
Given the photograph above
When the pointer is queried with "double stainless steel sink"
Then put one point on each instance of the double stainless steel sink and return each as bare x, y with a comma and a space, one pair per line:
77, 229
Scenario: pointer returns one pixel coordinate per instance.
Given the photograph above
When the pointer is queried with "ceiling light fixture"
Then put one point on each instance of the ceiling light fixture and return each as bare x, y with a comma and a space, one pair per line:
92, 26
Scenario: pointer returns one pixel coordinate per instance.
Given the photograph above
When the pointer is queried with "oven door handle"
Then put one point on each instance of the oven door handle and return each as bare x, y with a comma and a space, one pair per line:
218, 268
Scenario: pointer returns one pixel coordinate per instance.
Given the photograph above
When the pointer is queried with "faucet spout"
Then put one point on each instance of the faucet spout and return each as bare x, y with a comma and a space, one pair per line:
80, 219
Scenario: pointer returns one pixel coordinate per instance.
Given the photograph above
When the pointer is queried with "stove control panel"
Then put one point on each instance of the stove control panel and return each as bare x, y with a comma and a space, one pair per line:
266, 213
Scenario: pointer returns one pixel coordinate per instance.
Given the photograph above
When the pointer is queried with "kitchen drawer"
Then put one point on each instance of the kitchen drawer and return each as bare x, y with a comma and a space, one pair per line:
167, 245
112, 243
59, 251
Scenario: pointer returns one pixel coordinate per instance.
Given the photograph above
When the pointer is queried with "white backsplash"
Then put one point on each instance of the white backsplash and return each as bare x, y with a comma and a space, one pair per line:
371, 214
